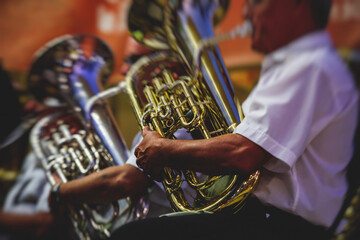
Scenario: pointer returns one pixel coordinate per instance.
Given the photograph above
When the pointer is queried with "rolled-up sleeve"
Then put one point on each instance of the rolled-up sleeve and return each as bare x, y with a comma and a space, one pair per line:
280, 113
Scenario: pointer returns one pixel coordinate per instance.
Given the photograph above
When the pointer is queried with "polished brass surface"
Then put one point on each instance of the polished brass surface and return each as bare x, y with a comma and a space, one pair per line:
69, 151
149, 28
81, 136
186, 87
351, 220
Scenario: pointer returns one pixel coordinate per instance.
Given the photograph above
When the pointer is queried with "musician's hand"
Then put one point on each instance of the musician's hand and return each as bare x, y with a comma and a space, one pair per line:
149, 154
29, 226
43, 225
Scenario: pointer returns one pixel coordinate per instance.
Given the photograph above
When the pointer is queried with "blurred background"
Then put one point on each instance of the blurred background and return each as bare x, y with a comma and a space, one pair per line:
26, 25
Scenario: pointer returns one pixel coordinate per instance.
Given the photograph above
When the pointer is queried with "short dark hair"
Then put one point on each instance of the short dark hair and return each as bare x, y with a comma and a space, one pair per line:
321, 11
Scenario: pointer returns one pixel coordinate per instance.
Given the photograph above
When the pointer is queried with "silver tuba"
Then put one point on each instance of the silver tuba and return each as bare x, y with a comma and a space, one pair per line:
80, 136
186, 86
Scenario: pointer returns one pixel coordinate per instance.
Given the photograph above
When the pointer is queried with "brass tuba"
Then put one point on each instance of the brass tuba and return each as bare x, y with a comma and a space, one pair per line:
80, 136
186, 86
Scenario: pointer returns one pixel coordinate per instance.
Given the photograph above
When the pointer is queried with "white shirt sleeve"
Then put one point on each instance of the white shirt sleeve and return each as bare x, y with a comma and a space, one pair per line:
282, 111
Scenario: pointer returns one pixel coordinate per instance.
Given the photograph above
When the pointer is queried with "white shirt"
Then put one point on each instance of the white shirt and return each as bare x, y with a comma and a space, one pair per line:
29, 195
303, 111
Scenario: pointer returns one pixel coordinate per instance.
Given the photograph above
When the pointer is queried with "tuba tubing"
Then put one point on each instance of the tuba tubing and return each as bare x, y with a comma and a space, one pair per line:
192, 90
82, 136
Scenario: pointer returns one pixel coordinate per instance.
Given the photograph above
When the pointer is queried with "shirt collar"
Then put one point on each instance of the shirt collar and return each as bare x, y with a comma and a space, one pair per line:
307, 42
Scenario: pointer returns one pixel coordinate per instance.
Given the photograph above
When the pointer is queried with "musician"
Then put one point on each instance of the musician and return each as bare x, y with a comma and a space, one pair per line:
116, 182
26, 211
298, 129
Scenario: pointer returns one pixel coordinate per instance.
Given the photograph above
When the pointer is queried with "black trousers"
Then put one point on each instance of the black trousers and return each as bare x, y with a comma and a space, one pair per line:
254, 221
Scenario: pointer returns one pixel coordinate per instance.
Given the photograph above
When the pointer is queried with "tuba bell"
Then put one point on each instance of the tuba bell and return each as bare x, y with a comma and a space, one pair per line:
80, 136
185, 85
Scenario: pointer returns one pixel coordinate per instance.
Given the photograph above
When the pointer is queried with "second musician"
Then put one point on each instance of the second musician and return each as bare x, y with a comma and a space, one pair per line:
298, 128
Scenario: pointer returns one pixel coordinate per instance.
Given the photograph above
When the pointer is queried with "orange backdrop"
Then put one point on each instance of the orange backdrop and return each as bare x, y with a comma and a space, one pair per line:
26, 25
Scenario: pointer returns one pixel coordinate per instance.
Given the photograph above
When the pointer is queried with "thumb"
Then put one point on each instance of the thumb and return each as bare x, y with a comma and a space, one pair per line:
146, 130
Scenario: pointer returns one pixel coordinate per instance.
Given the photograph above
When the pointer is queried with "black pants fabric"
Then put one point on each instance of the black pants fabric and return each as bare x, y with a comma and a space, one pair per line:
253, 222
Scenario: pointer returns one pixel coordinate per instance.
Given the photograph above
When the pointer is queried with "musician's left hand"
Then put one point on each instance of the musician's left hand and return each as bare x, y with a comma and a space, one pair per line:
149, 154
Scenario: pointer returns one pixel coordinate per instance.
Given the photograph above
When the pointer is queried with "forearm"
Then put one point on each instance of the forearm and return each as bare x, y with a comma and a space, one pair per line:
15, 222
30, 224
227, 154
105, 186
